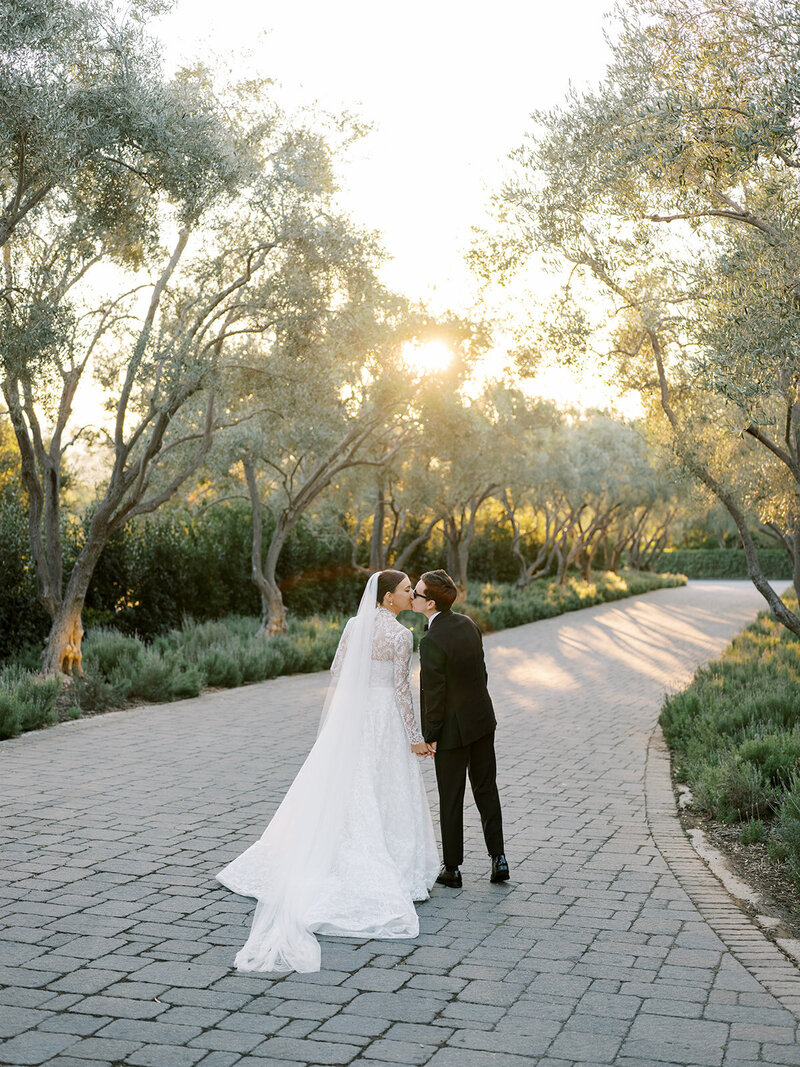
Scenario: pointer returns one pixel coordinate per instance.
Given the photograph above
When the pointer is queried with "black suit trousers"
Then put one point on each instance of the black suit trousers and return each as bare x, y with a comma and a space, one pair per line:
452, 767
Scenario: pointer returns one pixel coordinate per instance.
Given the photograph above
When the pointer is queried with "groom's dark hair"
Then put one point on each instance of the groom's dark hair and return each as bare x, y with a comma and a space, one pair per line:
440, 588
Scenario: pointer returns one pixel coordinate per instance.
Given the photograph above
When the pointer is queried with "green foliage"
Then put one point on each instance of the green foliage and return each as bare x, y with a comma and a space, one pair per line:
789, 827
22, 620
777, 851
85, 108
26, 701
490, 556
109, 654
752, 693
776, 755
733, 790
9, 717
157, 572
154, 572
160, 679
723, 562
111, 661
735, 736
121, 669
221, 669
91, 693
753, 832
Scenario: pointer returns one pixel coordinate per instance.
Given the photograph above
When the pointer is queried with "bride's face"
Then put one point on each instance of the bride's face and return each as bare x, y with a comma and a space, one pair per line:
401, 595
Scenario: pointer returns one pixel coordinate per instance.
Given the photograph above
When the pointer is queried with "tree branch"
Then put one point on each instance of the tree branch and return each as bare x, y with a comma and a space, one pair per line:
141, 344
781, 453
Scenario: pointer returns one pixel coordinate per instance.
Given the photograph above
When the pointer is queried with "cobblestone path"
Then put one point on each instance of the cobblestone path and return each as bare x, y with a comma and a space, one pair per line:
611, 945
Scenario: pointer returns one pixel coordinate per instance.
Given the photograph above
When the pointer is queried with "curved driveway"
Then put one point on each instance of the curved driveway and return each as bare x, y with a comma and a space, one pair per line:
611, 944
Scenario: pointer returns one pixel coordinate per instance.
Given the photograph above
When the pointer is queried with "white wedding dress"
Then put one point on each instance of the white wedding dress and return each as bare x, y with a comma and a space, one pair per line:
351, 846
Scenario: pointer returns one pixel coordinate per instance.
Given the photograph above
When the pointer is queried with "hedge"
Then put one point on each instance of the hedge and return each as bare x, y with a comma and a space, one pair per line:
722, 562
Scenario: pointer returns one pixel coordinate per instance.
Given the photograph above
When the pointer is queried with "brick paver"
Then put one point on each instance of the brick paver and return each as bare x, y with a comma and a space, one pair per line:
612, 944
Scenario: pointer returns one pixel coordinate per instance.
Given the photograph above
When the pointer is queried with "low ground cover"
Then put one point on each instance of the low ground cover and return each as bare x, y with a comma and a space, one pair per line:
121, 670
734, 733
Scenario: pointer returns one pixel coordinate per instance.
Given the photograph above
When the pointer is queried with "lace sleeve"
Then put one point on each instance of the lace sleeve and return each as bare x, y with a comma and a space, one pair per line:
403, 647
336, 666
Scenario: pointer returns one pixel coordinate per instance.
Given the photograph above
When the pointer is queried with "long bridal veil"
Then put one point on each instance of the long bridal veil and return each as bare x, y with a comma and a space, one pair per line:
286, 867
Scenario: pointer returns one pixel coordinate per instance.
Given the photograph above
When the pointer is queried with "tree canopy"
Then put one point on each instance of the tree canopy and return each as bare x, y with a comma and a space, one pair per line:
670, 193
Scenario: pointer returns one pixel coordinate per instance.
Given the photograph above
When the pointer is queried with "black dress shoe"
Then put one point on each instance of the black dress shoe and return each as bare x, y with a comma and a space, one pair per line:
500, 871
450, 876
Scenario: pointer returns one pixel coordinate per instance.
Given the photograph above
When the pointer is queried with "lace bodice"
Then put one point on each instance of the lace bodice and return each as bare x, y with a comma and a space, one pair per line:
390, 665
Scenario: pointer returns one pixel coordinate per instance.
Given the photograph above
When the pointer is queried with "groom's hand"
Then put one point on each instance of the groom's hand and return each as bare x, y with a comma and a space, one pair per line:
422, 749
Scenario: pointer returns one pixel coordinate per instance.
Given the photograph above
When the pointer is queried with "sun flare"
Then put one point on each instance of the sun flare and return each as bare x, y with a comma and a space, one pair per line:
428, 357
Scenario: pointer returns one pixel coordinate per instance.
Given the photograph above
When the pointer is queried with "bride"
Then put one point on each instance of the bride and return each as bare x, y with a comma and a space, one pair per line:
351, 845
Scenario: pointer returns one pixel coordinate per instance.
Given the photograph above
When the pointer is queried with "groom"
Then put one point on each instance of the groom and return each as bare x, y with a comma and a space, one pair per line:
458, 723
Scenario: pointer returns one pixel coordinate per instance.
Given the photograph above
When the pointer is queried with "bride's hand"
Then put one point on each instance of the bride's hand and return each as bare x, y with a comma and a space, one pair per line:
422, 749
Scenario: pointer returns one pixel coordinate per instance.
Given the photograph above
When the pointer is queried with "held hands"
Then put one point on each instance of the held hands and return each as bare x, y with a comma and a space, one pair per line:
423, 749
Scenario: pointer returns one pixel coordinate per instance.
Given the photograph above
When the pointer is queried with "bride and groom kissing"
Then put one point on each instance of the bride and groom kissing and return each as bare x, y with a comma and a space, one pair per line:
352, 846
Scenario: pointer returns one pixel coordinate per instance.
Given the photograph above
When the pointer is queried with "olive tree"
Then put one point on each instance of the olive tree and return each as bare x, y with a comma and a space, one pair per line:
85, 111
670, 194
329, 397
388, 507
158, 342
401, 502
466, 450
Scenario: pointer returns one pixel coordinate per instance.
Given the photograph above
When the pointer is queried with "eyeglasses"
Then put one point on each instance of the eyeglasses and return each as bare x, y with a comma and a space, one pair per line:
416, 594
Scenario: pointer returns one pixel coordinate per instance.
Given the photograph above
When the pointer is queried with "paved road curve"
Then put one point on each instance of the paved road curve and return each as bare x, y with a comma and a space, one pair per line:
606, 948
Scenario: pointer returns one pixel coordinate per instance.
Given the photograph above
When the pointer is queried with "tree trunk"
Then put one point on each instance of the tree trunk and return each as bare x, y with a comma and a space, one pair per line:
595, 535
516, 541
377, 557
452, 534
463, 563
587, 565
779, 610
567, 554
541, 566
522, 563
353, 539
561, 557
62, 654
402, 560
614, 557
273, 610
467, 535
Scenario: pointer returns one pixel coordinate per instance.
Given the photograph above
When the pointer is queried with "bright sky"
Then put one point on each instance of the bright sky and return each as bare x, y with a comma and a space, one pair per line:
448, 86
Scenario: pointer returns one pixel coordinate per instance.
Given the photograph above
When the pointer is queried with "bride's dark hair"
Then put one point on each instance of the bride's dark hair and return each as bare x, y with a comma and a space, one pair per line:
388, 581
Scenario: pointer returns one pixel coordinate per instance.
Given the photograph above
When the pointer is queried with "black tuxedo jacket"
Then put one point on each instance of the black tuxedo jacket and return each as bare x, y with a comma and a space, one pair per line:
455, 703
